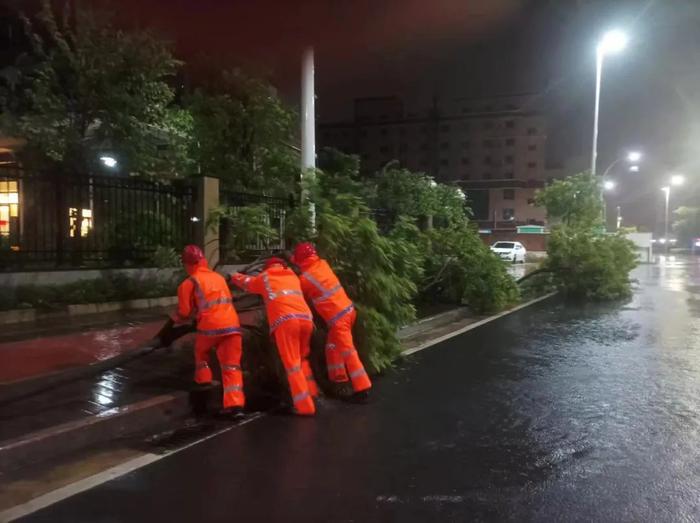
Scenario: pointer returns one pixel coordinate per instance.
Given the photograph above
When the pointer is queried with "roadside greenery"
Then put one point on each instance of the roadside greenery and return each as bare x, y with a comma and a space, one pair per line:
87, 89
686, 225
111, 287
583, 261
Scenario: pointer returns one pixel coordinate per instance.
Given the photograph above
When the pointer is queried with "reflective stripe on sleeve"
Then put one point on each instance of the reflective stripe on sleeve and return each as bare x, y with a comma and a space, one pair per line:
342, 313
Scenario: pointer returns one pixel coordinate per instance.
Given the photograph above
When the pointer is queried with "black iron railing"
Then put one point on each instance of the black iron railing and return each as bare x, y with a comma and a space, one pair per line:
239, 240
75, 221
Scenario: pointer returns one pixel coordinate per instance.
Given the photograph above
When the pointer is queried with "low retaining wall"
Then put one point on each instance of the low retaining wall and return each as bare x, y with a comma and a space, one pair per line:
15, 279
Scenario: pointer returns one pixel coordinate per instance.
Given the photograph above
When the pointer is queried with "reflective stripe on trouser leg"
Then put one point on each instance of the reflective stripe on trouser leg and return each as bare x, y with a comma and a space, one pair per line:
348, 355
305, 332
334, 363
288, 337
229, 353
202, 347
356, 371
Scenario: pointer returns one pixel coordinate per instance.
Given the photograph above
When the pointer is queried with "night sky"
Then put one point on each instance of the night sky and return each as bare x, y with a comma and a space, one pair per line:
419, 48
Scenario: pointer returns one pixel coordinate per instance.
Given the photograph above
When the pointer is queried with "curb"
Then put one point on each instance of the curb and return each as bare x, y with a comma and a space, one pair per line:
474, 325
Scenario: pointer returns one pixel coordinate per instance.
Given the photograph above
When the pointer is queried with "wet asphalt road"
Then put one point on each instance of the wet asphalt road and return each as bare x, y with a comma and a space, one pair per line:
558, 412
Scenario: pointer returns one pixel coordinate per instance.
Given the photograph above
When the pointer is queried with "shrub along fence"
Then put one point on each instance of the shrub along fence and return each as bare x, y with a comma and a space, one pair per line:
51, 221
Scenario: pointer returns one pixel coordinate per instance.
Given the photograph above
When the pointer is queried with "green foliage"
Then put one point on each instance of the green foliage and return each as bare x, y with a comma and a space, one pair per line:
591, 266
461, 269
111, 287
584, 263
686, 224
134, 235
244, 133
164, 257
87, 88
246, 228
574, 201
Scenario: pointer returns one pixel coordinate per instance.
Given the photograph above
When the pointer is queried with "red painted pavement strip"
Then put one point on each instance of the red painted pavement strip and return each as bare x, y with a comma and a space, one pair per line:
28, 358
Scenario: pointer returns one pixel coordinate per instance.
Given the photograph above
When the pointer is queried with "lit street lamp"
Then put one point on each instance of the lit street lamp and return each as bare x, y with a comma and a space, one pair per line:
611, 43
676, 179
608, 185
632, 157
109, 161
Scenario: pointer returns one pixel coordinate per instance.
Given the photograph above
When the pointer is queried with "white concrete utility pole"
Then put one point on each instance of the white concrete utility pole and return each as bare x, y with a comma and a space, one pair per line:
308, 128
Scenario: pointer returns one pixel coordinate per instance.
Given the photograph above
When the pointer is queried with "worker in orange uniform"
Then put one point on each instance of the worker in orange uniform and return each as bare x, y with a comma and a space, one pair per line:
291, 325
322, 288
205, 296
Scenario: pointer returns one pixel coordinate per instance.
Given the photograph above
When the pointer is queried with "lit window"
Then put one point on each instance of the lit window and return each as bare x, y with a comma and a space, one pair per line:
85, 222
9, 207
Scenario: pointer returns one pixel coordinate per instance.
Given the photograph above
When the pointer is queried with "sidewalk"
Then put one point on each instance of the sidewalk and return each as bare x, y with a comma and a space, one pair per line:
26, 353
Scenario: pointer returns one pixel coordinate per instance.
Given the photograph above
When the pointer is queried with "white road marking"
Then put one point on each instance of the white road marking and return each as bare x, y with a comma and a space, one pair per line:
474, 325
131, 465
95, 480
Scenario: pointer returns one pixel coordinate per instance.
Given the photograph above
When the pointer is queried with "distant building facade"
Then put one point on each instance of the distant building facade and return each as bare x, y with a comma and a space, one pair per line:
493, 148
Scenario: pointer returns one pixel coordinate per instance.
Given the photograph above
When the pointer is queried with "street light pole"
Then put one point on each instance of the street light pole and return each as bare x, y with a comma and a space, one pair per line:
667, 192
598, 77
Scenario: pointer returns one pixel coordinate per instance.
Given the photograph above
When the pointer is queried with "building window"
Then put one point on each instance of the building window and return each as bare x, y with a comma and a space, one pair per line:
509, 159
487, 176
508, 176
444, 146
424, 129
424, 162
85, 219
465, 144
465, 161
488, 143
532, 147
9, 207
508, 215
487, 160
444, 162
402, 131
531, 165
384, 117
384, 149
510, 124
383, 131
531, 131
403, 147
363, 133
511, 107
488, 125
509, 194
444, 128
510, 141
424, 147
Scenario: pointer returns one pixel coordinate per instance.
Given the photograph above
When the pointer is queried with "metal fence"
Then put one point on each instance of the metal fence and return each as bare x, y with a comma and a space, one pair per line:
253, 224
72, 221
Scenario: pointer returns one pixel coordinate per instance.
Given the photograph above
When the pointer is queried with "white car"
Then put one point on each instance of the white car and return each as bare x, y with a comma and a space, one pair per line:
511, 251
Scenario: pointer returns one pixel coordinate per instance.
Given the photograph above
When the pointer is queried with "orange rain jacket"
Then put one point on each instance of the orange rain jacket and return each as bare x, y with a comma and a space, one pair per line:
322, 287
206, 297
281, 291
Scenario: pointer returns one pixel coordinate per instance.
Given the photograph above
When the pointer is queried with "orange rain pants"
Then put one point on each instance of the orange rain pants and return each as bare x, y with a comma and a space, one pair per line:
341, 356
228, 351
293, 338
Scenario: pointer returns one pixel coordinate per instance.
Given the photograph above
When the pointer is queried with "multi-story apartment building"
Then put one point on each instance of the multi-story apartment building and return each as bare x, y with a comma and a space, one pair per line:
493, 148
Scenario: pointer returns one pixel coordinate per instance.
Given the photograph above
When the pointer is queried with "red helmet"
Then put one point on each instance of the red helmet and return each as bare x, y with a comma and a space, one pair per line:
303, 251
274, 260
192, 255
